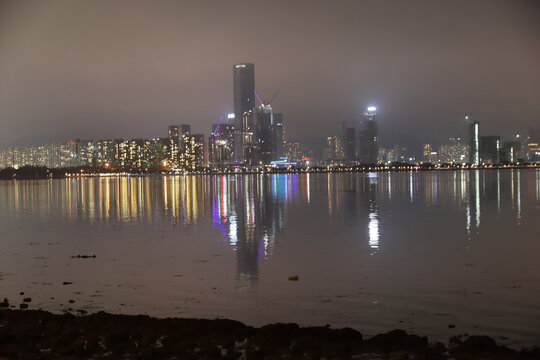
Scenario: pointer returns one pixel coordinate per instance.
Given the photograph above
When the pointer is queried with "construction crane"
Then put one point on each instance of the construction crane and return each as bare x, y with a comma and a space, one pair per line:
266, 103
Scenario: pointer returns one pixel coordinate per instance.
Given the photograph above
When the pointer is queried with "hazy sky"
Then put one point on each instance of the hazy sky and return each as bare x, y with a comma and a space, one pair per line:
106, 69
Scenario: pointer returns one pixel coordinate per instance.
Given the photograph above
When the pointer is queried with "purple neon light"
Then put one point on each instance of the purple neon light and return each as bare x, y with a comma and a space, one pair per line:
257, 95
217, 127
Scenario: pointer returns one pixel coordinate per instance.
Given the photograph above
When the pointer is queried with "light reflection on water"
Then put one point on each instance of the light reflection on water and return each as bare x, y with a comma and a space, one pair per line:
373, 236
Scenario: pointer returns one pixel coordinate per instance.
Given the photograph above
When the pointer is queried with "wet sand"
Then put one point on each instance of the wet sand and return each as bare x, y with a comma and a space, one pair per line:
36, 334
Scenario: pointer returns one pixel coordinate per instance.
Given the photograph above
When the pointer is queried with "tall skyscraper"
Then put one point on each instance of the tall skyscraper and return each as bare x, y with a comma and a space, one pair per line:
489, 149
350, 141
264, 120
333, 150
279, 136
174, 146
532, 146
474, 142
244, 103
369, 142
220, 145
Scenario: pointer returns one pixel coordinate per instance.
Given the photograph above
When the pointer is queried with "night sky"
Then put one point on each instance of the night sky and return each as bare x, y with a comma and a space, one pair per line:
106, 69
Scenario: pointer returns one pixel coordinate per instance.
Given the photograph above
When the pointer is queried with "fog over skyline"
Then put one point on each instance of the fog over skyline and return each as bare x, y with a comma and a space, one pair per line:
128, 69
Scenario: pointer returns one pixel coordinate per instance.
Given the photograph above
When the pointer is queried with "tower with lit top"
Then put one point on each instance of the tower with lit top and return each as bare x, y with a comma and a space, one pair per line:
369, 142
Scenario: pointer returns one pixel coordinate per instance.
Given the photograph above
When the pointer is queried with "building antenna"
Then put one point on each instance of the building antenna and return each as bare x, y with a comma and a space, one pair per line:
273, 97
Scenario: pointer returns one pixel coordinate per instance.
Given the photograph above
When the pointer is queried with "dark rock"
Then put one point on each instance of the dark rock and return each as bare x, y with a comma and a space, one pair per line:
71, 301
21, 293
396, 340
35, 334
84, 257
23, 306
481, 346
67, 283
27, 300
451, 326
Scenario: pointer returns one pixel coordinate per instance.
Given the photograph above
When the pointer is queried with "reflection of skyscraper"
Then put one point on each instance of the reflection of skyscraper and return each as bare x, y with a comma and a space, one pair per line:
244, 102
249, 216
373, 221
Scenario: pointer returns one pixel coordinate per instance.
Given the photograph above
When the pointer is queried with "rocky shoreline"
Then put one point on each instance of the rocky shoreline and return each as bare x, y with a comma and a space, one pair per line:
37, 334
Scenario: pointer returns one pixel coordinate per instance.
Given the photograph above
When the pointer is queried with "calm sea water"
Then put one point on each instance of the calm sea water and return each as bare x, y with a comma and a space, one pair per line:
375, 251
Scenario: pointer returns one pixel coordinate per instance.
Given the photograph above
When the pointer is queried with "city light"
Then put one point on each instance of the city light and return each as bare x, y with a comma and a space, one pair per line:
371, 109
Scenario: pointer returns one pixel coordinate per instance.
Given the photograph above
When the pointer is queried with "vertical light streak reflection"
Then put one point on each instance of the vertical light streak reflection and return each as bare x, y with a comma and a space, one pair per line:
455, 186
308, 188
498, 193
329, 194
107, 199
518, 199
233, 229
477, 197
373, 221
465, 197
165, 194
537, 185
411, 194
435, 188
389, 186
373, 229
174, 198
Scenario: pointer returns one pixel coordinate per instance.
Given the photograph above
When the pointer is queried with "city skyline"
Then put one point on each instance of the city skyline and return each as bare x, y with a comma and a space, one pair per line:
253, 138
109, 83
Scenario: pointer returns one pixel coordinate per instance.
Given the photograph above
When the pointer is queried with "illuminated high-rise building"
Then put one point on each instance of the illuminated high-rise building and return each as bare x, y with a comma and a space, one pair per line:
244, 103
193, 155
174, 132
454, 152
221, 144
185, 129
175, 146
474, 142
264, 132
369, 142
427, 150
104, 152
333, 149
511, 152
532, 146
